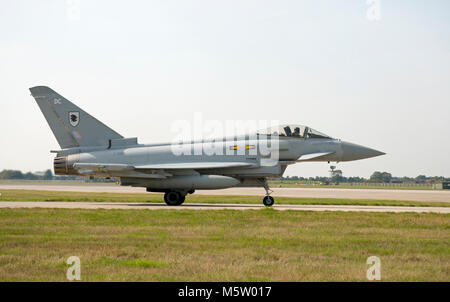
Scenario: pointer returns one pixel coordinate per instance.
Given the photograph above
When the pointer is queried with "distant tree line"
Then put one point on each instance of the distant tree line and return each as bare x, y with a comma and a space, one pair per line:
16, 174
48, 175
336, 177
44, 175
376, 177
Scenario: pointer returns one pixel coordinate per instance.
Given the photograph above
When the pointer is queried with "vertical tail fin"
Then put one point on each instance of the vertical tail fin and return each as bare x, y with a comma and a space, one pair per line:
72, 126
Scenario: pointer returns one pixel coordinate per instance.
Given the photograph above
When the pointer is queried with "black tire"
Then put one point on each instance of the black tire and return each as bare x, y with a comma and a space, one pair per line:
268, 201
172, 198
181, 200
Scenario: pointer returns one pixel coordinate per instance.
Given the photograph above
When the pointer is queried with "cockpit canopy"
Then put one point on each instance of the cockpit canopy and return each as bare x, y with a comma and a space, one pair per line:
299, 131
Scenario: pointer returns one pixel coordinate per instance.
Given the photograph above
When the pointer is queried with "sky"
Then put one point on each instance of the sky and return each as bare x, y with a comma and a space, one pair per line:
375, 73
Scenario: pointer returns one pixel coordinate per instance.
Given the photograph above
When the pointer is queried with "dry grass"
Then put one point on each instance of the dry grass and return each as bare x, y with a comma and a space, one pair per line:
225, 245
42, 195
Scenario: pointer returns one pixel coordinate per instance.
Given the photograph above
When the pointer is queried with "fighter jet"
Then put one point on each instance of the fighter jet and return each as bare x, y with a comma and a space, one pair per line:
90, 148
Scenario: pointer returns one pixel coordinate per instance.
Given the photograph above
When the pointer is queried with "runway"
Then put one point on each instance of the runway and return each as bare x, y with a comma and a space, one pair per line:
202, 206
378, 194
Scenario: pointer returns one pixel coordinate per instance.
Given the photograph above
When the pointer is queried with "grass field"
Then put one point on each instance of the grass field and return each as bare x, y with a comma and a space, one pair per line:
35, 195
225, 245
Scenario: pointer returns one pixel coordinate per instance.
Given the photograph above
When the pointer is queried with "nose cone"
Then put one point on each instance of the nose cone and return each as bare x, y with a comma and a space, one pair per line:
354, 152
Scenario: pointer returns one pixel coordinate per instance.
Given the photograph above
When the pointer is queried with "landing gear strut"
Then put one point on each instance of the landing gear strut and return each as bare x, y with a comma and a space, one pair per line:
174, 198
268, 200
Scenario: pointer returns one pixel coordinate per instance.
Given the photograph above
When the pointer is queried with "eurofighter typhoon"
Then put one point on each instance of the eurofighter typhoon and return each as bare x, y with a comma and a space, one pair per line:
90, 148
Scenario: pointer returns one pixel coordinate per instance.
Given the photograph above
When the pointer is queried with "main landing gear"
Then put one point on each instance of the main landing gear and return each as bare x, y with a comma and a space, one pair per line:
268, 200
174, 198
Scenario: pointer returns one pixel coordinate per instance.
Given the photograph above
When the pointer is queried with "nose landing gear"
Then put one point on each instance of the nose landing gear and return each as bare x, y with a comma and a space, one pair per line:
268, 200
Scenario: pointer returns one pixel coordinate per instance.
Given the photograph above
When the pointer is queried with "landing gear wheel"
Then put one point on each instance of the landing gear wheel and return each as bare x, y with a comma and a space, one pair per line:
181, 199
268, 201
172, 198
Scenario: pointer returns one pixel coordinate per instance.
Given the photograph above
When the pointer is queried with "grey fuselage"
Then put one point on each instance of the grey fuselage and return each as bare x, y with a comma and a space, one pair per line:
158, 168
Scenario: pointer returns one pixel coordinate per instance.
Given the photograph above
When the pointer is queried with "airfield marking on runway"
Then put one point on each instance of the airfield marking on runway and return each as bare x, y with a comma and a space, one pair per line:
203, 206
373, 194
